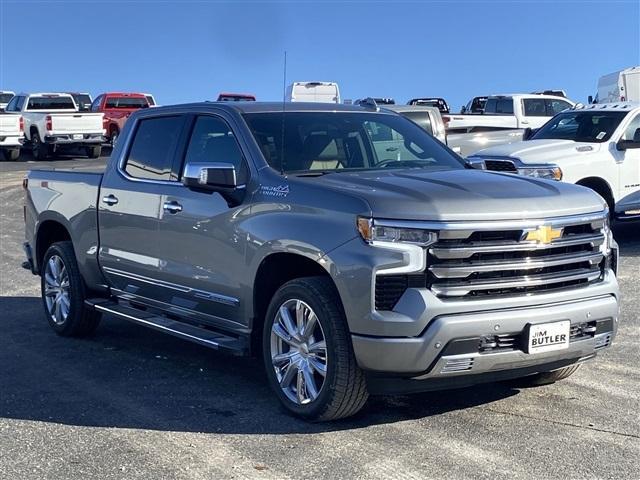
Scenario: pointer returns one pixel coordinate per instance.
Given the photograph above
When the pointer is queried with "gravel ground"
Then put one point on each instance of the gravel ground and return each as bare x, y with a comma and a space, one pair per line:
131, 403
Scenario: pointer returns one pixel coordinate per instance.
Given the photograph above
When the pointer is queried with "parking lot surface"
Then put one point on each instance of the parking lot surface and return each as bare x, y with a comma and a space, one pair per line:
132, 403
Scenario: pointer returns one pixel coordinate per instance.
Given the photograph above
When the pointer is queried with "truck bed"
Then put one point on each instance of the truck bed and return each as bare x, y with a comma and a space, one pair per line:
69, 198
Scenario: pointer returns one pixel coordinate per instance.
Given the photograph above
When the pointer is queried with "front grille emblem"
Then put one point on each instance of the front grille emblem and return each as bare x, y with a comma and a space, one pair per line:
544, 234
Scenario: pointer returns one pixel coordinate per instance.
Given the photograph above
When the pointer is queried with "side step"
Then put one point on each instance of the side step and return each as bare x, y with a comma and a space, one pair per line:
203, 336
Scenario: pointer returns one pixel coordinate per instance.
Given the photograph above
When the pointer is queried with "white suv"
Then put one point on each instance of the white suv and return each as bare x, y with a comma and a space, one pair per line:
597, 146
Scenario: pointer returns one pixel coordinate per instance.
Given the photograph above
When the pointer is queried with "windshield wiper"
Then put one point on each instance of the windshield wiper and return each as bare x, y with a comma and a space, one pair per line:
319, 173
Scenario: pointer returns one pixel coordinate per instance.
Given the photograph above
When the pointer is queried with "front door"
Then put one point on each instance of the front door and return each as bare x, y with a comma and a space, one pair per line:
201, 243
629, 170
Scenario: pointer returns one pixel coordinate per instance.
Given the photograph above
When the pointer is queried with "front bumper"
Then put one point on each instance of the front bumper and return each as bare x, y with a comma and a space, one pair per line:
75, 139
450, 345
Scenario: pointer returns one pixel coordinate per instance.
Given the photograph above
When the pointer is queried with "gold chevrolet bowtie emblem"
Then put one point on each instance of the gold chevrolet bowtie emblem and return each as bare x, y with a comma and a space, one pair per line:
544, 234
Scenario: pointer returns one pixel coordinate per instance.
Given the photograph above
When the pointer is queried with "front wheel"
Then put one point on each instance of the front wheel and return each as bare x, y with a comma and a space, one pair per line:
308, 353
63, 293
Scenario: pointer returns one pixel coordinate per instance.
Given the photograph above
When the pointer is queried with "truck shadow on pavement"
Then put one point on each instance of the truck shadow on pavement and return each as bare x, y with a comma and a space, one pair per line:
127, 376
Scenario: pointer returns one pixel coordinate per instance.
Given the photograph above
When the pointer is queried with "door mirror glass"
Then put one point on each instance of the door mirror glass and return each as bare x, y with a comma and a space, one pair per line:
590, 99
210, 176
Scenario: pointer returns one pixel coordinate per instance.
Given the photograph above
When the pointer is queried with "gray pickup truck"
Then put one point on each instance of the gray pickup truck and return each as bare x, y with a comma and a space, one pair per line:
351, 265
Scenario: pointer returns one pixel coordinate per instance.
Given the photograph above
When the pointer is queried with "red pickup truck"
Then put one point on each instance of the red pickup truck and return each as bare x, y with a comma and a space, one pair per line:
116, 107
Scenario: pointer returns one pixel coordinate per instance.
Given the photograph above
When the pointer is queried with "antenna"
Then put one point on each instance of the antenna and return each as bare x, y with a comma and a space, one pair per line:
284, 103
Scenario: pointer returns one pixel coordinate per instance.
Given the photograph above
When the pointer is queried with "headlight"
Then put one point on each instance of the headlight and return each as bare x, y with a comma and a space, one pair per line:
549, 172
605, 248
410, 242
372, 232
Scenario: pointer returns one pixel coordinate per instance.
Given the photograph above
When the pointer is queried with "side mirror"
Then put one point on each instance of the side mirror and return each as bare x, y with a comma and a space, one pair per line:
463, 110
214, 177
527, 133
627, 145
590, 99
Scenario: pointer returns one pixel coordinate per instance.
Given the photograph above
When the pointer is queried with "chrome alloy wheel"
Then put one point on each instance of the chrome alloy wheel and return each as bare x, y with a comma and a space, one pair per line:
298, 351
56, 290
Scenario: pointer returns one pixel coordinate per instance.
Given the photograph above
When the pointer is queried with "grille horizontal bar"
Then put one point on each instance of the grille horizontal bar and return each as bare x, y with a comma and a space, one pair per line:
468, 250
461, 289
528, 263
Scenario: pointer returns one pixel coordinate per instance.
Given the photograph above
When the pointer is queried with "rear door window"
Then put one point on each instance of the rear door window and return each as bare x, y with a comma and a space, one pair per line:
153, 148
505, 106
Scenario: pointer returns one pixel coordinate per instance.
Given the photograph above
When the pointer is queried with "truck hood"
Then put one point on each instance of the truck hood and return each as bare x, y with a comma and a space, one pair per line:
540, 151
462, 195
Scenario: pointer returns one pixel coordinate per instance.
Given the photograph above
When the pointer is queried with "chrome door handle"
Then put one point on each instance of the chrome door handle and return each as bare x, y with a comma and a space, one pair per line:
172, 207
110, 199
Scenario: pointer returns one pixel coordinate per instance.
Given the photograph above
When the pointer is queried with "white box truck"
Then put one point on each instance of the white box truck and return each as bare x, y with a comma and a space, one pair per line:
322, 92
621, 86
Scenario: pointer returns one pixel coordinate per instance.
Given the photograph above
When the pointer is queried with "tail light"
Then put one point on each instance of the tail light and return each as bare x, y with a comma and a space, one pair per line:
21, 125
446, 121
48, 123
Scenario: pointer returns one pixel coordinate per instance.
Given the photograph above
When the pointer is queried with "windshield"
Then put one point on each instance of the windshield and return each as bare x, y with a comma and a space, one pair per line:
127, 102
580, 126
5, 97
51, 103
346, 141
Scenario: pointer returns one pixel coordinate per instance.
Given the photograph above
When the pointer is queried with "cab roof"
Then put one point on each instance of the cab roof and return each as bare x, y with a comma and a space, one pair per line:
271, 107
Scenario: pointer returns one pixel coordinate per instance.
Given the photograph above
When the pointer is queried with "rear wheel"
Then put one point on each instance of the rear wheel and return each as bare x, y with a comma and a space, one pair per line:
94, 152
546, 378
12, 155
63, 293
308, 352
113, 136
40, 150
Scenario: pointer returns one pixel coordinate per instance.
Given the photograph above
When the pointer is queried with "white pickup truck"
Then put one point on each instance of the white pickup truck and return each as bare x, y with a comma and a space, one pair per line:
597, 146
52, 123
510, 112
11, 135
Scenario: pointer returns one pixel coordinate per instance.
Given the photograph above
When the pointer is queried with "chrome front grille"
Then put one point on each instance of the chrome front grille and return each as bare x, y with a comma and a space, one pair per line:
480, 262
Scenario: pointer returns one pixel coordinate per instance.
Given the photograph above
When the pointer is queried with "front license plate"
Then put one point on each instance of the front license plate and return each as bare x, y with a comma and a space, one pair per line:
78, 136
545, 337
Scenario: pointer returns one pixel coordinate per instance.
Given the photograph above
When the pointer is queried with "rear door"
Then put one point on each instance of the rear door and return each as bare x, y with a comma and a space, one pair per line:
202, 246
129, 204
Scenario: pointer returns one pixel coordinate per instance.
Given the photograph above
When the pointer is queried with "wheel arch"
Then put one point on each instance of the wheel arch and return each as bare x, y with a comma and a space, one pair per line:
274, 271
49, 231
601, 187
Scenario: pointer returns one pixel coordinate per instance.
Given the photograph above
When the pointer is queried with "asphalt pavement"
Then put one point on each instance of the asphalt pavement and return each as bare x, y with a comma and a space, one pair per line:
131, 403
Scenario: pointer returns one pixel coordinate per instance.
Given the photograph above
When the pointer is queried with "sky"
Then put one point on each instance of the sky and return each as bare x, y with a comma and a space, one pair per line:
183, 51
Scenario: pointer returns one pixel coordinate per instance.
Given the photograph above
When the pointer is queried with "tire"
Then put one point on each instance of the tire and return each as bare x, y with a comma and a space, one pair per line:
546, 378
342, 390
113, 136
60, 279
40, 150
12, 154
94, 152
